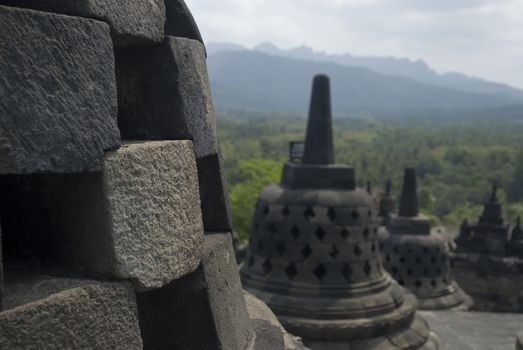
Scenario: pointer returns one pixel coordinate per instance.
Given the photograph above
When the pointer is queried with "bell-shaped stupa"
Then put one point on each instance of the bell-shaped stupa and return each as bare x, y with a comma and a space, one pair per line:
417, 257
314, 257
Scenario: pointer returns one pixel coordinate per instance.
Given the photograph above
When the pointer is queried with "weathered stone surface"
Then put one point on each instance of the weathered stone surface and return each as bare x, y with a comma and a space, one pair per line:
1, 273
519, 341
163, 93
140, 219
132, 22
57, 93
180, 21
203, 310
268, 336
258, 310
71, 314
493, 282
216, 211
475, 330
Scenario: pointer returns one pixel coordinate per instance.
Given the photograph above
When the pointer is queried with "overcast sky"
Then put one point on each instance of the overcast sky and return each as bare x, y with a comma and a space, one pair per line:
477, 37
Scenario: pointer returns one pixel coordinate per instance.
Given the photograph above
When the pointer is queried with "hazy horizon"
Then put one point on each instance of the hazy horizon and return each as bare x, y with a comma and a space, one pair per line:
474, 37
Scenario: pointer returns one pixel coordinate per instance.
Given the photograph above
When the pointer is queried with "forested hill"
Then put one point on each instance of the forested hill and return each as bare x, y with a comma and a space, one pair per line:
257, 81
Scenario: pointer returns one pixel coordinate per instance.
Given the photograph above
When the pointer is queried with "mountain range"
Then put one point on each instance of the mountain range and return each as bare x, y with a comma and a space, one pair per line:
269, 79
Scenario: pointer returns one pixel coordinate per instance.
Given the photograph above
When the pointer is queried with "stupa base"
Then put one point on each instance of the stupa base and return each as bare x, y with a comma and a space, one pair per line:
456, 299
416, 336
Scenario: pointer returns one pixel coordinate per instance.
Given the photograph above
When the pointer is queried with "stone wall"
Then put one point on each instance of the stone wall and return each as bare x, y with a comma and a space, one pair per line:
493, 282
114, 217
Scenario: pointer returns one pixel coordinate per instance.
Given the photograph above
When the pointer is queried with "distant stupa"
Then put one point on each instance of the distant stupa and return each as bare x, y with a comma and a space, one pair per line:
490, 235
515, 246
418, 258
387, 203
314, 258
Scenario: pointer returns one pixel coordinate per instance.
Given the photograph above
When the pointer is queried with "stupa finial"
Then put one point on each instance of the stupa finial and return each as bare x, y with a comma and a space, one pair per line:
409, 196
319, 147
494, 195
388, 187
517, 232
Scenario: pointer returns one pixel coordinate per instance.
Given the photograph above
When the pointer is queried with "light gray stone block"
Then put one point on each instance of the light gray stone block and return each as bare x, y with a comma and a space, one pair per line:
71, 314
203, 310
164, 94
258, 310
132, 22
57, 93
268, 336
140, 219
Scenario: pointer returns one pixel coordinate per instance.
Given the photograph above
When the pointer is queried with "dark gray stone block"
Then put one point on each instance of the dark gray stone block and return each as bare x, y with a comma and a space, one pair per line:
213, 194
63, 117
132, 22
302, 176
58, 313
203, 310
180, 21
1, 273
164, 94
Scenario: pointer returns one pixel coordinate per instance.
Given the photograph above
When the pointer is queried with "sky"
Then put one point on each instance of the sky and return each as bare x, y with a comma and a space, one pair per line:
481, 38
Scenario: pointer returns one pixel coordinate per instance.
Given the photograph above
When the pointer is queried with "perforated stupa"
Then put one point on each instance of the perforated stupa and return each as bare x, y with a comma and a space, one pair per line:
314, 255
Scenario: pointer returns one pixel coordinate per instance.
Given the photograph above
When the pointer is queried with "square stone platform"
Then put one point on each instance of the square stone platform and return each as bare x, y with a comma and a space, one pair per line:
475, 330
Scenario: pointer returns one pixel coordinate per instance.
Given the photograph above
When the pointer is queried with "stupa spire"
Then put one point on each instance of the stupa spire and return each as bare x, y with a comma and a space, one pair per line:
517, 232
388, 188
494, 195
409, 196
319, 147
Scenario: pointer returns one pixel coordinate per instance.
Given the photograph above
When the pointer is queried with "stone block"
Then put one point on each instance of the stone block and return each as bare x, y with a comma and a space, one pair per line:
164, 94
180, 22
203, 310
268, 336
259, 311
140, 219
57, 93
519, 342
71, 314
1, 273
304, 176
132, 22
213, 194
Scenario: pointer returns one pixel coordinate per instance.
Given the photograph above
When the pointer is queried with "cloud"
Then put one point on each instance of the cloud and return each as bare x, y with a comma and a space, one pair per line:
478, 37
